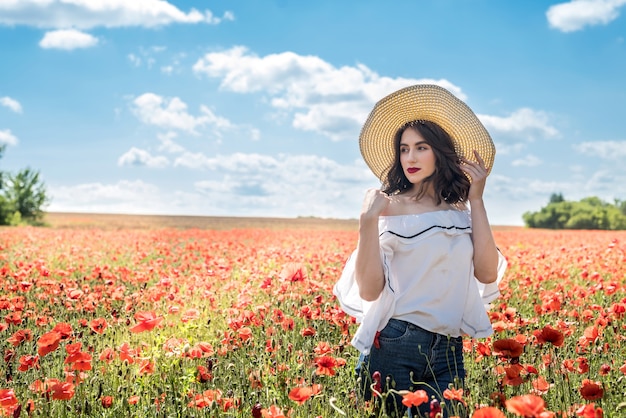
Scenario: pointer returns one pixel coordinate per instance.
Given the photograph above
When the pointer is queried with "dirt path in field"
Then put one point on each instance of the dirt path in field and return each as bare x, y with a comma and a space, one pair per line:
112, 221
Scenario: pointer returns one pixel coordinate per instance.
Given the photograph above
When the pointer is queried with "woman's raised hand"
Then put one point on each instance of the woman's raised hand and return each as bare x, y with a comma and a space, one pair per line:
478, 173
374, 204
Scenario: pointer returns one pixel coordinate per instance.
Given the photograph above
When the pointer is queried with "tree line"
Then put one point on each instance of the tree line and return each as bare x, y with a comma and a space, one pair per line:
587, 213
22, 196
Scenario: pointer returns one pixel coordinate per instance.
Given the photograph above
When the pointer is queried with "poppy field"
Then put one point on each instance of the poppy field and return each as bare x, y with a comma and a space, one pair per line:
166, 322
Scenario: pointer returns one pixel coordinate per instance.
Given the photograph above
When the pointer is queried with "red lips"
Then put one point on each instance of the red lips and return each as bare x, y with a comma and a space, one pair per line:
412, 170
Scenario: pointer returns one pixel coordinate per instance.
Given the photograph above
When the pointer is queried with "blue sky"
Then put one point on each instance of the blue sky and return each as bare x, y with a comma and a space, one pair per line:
253, 108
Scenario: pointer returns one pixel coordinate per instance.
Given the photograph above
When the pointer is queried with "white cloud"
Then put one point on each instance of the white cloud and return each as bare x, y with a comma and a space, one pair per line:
134, 60
504, 148
524, 122
603, 183
610, 150
325, 99
133, 197
142, 158
576, 14
6, 137
150, 55
527, 161
172, 113
168, 144
284, 185
10, 103
87, 14
234, 185
67, 39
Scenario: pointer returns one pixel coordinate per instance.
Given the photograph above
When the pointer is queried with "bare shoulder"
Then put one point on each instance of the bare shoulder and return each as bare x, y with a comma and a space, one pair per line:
395, 206
460, 206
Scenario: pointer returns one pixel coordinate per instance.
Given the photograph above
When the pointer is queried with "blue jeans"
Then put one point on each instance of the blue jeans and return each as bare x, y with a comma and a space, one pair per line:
410, 358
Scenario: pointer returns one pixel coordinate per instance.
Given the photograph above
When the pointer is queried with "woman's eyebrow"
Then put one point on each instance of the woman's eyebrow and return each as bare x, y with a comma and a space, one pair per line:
417, 143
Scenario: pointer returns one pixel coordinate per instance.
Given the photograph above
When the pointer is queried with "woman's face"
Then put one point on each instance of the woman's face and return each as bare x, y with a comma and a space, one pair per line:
416, 156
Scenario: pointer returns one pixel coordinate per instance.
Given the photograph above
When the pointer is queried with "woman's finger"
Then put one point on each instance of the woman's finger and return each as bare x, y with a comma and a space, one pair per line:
479, 159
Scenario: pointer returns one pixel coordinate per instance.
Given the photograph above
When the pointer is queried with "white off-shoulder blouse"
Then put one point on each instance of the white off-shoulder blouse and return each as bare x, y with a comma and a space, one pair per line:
429, 274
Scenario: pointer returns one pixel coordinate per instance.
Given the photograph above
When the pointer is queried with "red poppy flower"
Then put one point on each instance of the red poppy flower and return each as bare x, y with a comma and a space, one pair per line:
190, 315
287, 324
48, 342
590, 335
98, 325
376, 383
605, 369
64, 330
550, 335
14, 318
146, 367
206, 398
307, 332
415, 398
513, 375
435, 409
79, 361
302, 394
488, 412
509, 348
77, 358
147, 321
325, 365
293, 272
541, 385
20, 336
244, 333
526, 405
590, 411
454, 395
206, 348
583, 365
28, 362
8, 399
323, 347
63, 391
591, 390
107, 355
106, 401
127, 353
273, 412
204, 375
482, 350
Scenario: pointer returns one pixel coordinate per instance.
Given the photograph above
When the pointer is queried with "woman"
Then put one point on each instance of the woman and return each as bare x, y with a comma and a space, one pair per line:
425, 265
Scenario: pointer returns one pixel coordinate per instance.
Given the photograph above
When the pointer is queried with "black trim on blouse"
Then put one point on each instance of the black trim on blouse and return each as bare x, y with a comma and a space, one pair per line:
461, 228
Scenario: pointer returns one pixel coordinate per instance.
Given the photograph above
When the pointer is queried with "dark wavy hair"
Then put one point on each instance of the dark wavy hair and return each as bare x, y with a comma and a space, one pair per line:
449, 181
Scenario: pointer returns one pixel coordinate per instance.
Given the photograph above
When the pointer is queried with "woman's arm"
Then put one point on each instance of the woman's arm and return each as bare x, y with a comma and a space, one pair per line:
485, 251
369, 274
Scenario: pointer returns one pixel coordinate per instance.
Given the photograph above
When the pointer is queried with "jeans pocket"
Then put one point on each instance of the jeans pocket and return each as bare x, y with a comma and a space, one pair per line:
394, 330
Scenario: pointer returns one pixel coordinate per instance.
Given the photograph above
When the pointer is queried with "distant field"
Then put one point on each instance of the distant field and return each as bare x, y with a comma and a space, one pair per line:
113, 221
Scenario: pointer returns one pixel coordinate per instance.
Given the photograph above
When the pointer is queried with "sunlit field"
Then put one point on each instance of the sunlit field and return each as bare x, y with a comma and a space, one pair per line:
101, 321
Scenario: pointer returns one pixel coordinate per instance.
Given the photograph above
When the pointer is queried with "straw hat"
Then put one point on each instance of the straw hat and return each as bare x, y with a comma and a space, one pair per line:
426, 102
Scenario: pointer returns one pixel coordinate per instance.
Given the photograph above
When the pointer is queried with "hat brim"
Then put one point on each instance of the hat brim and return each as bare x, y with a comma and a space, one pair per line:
426, 102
